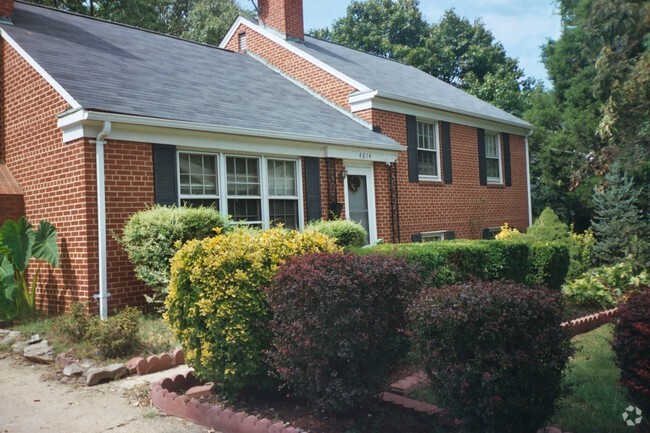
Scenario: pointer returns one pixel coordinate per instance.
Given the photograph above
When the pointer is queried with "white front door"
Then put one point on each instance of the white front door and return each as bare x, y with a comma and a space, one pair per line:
360, 199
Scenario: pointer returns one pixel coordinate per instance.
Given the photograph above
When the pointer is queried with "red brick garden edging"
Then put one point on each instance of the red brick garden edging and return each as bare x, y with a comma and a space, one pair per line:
155, 363
588, 323
165, 395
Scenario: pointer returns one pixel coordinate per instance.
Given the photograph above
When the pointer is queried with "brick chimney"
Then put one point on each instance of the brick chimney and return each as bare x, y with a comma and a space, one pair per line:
6, 11
285, 16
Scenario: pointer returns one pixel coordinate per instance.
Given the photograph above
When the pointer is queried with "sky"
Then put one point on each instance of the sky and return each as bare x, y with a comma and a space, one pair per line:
520, 25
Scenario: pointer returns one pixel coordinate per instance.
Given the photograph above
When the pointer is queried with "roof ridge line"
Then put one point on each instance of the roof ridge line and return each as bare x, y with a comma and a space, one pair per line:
129, 26
312, 92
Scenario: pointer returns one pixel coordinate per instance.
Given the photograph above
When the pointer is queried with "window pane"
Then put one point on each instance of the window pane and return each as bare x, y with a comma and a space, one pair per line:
491, 145
245, 209
198, 174
427, 164
282, 178
492, 166
427, 136
284, 212
243, 176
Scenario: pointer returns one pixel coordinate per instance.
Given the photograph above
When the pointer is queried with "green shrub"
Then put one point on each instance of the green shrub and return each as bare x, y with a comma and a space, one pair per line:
216, 303
548, 228
604, 287
337, 325
631, 344
346, 233
74, 326
495, 352
152, 236
117, 336
455, 261
548, 264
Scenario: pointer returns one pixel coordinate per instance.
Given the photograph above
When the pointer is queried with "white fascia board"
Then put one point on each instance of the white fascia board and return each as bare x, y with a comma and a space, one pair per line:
297, 51
387, 102
42, 72
83, 123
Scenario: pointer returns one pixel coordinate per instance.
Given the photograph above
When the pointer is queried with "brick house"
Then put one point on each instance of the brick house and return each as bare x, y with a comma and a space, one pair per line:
100, 120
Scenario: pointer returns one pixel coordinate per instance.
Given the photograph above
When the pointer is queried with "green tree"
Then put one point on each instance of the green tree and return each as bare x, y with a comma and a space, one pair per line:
596, 112
620, 226
454, 50
204, 21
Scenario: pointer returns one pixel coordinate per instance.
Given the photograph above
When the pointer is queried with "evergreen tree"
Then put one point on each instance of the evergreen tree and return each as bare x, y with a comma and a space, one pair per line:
620, 226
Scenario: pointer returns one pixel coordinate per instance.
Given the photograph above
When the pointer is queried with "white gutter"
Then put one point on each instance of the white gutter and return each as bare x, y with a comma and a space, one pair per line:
530, 206
360, 97
101, 220
76, 117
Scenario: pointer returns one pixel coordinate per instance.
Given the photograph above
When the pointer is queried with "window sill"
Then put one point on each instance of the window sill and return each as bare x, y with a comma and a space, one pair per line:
430, 180
496, 185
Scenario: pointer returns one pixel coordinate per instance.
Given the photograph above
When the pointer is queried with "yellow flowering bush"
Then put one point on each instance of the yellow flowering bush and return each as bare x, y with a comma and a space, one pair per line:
216, 304
508, 233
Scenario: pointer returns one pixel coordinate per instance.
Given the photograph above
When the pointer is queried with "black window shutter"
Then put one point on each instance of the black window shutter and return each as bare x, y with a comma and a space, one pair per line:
165, 174
506, 159
312, 183
450, 235
446, 150
412, 143
417, 237
482, 165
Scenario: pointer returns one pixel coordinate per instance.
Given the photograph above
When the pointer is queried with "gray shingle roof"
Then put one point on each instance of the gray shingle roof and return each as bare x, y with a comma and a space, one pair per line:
403, 81
119, 69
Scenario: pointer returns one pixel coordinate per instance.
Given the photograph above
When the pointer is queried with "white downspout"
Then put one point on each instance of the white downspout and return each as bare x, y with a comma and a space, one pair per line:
101, 221
530, 206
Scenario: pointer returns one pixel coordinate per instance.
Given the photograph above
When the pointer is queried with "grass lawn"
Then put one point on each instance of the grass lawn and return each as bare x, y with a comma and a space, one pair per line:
598, 401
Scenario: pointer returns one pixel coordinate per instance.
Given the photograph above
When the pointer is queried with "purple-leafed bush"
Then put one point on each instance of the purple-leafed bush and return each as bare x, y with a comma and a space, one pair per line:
338, 325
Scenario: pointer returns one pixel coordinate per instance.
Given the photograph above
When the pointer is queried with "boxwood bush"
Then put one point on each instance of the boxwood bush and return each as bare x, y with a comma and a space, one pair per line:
455, 261
337, 327
346, 233
216, 304
631, 344
495, 352
152, 236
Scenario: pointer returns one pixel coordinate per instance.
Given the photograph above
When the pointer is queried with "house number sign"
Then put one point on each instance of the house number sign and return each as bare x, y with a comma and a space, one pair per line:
365, 155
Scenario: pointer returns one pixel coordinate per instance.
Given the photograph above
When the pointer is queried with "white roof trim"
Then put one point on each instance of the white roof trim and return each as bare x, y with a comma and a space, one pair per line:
361, 101
284, 44
51, 81
71, 121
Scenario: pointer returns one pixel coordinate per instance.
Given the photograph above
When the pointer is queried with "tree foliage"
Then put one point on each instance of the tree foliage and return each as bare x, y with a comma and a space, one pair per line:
597, 111
454, 49
204, 21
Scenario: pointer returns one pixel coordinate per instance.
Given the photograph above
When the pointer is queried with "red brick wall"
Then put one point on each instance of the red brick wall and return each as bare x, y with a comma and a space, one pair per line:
295, 66
12, 208
283, 15
6, 8
59, 185
464, 206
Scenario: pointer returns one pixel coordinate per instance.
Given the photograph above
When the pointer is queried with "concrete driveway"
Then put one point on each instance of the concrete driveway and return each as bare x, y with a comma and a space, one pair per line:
32, 401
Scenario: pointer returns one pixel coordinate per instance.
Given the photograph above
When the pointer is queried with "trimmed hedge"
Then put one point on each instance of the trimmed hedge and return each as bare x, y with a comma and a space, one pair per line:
456, 261
217, 307
337, 327
495, 352
152, 236
346, 233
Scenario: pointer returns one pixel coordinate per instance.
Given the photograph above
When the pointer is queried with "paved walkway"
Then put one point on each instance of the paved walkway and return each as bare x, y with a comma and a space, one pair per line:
32, 403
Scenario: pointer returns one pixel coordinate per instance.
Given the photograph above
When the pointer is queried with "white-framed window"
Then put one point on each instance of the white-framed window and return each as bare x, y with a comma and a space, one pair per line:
433, 236
493, 157
243, 189
282, 177
428, 151
199, 179
255, 190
